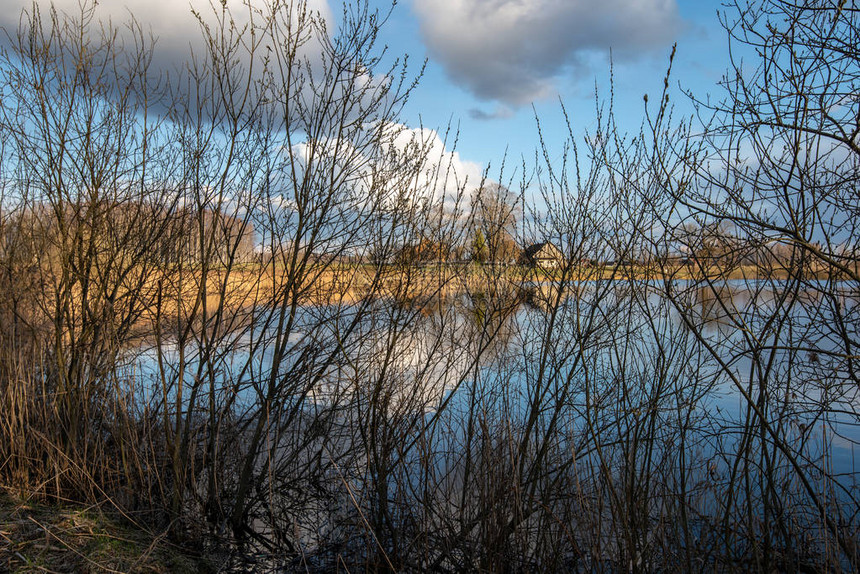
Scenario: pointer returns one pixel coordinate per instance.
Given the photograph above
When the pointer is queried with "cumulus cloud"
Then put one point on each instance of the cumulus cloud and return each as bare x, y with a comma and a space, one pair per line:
406, 166
171, 22
442, 173
513, 51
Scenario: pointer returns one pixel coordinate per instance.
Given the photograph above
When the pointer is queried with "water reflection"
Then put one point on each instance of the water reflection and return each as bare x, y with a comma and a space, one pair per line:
537, 343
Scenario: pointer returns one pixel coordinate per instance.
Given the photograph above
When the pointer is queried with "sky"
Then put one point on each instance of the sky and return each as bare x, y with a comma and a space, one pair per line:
493, 66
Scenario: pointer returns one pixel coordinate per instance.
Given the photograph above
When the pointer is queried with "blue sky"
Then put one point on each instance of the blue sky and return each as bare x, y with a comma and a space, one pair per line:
491, 125
495, 64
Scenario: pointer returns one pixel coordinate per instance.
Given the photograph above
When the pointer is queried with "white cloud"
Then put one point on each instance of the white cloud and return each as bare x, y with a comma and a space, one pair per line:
512, 51
442, 174
410, 167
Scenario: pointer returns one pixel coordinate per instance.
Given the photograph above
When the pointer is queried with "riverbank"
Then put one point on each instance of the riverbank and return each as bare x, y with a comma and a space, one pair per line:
250, 284
171, 299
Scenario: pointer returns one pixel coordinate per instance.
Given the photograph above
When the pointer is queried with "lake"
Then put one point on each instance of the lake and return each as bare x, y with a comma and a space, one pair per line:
720, 397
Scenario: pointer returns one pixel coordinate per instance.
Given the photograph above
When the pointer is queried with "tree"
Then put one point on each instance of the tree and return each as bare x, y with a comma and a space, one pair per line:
139, 198
495, 214
779, 163
480, 252
83, 161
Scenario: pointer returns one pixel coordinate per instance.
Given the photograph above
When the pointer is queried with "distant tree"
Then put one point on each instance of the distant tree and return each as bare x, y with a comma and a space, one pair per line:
496, 216
480, 251
711, 243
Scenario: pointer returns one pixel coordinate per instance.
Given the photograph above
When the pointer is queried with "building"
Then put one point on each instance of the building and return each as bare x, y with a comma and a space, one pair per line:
542, 255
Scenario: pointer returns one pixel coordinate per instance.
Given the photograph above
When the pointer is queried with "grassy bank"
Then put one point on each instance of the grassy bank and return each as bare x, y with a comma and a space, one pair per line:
74, 538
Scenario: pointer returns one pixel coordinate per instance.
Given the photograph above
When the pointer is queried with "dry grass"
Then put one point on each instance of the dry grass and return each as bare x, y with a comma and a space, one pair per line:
38, 538
250, 285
